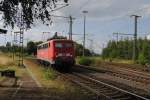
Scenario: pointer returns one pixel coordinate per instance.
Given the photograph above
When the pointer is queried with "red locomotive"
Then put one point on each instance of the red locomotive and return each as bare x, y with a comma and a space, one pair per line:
58, 52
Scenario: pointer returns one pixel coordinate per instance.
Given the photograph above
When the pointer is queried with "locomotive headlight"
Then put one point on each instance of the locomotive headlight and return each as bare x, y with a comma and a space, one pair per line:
63, 54
68, 54
60, 54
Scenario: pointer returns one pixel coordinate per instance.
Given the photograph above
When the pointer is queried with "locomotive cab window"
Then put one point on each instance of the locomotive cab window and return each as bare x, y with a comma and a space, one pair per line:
58, 45
68, 45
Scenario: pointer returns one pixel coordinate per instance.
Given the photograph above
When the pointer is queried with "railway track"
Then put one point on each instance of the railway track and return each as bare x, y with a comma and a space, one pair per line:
133, 67
136, 75
103, 90
133, 76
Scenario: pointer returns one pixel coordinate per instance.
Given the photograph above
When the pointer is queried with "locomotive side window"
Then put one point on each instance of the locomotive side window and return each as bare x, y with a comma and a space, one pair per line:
46, 46
43, 46
39, 47
58, 45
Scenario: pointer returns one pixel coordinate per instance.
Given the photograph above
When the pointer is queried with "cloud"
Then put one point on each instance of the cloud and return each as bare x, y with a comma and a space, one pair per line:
99, 12
105, 9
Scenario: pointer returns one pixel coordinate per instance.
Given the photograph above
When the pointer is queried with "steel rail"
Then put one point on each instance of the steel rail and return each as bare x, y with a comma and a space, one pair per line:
110, 86
135, 73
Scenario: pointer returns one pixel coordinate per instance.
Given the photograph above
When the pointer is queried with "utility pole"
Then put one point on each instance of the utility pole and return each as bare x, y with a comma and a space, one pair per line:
135, 52
20, 40
70, 28
14, 42
84, 12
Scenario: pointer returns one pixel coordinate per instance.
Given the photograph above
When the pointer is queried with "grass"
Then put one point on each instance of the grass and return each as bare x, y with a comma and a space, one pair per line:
6, 62
124, 61
2, 78
49, 78
50, 74
99, 59
46, 76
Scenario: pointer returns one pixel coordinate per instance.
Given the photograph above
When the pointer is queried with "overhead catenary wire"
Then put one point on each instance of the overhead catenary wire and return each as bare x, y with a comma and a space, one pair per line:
60, 8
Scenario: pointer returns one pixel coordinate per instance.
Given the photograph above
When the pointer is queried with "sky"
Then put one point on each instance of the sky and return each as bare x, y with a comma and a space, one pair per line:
104, 17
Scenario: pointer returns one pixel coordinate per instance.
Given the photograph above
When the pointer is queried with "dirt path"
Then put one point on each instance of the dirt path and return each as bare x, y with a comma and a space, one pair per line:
27, 80
25, 86
32, 76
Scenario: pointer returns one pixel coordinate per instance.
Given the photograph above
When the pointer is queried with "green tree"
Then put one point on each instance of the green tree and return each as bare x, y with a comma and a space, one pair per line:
124, 49
37, 43
79, 50
142, 59
8, 46
31, 48
146, 49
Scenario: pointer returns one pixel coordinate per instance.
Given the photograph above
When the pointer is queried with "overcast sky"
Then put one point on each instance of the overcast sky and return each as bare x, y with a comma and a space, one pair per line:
103, 18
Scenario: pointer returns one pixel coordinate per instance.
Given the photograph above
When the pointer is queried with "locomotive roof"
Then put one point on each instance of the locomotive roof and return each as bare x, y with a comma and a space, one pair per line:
60, 40
55, 40
42, 43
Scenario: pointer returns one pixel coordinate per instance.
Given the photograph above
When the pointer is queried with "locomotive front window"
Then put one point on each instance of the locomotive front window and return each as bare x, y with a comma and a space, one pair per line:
68, 45
58, 45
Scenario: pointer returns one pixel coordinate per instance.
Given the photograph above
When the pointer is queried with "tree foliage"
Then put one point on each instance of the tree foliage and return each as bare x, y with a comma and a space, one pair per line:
86, 61
32, 47
124, 49
79, 50
31, 9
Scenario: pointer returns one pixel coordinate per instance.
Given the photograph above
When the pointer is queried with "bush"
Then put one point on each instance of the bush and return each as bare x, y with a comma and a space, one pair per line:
142, 59
86, 61
49, 73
